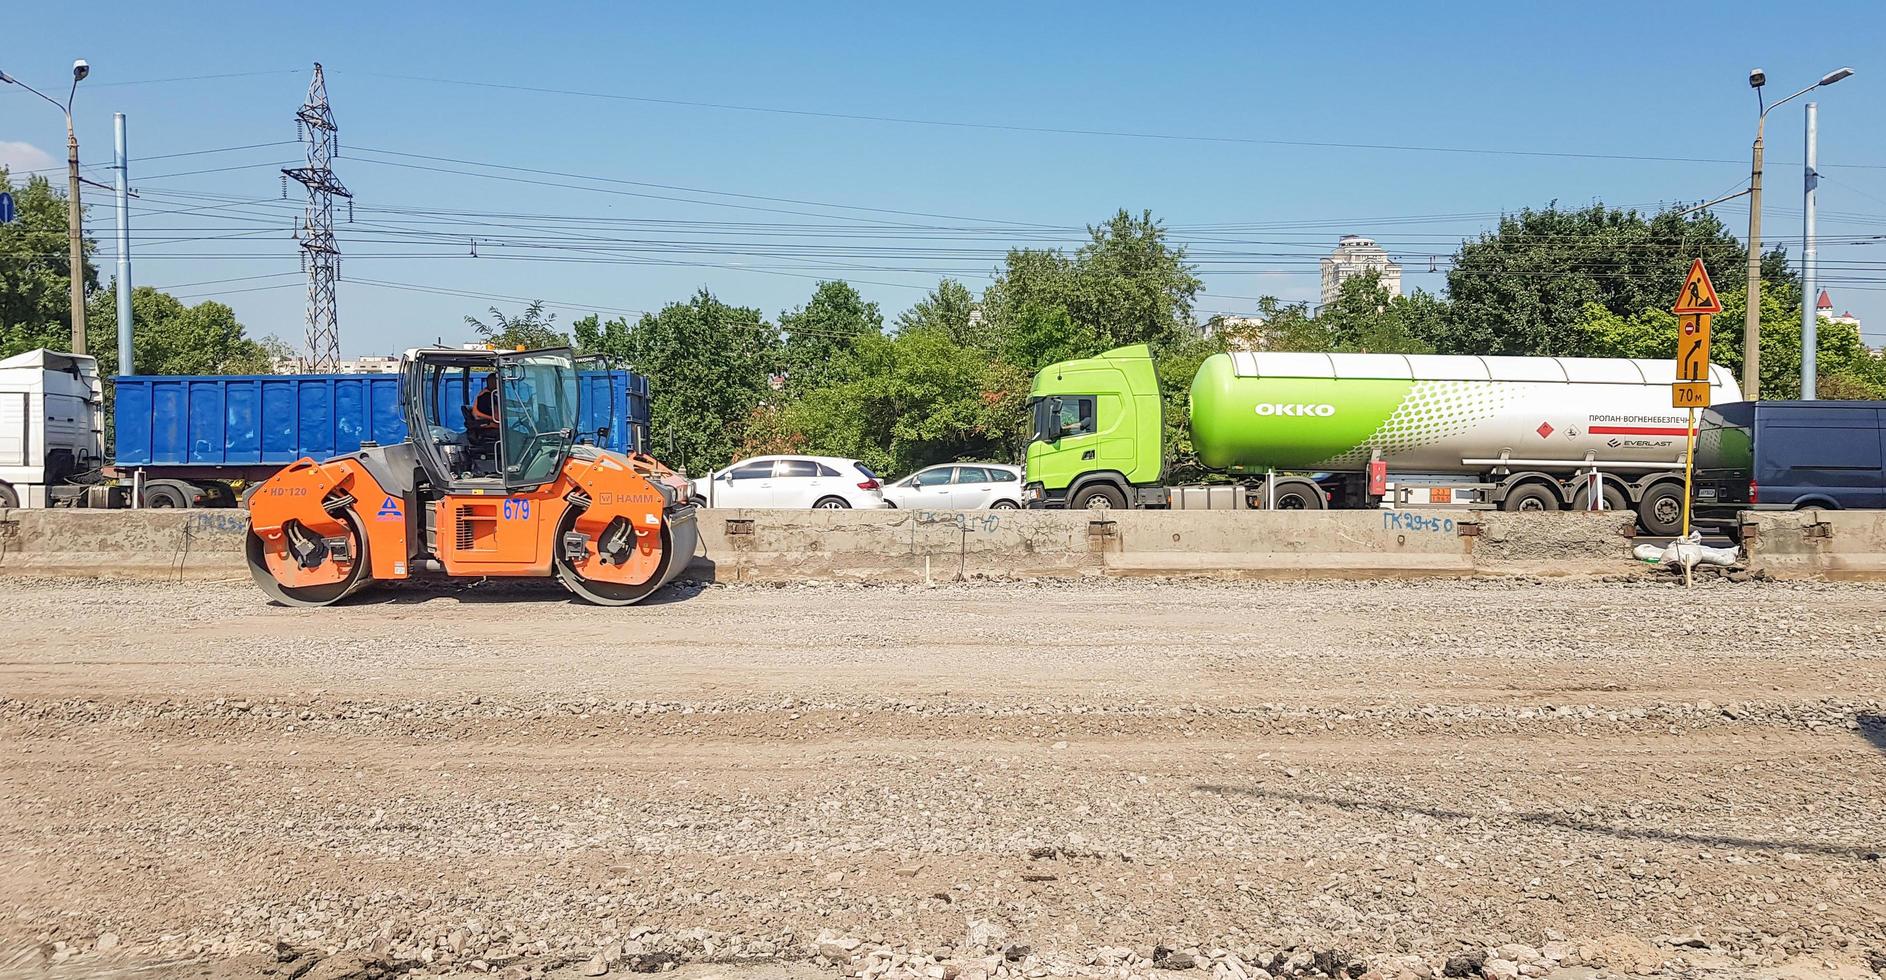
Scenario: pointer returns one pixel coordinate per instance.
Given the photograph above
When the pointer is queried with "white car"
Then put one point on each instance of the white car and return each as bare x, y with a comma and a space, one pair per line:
819, 482
959, 486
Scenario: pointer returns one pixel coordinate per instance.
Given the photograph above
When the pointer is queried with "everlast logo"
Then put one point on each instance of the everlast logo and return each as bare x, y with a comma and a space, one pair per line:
1320, 410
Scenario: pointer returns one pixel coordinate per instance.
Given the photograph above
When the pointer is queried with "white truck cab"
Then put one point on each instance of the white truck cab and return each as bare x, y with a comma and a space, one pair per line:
51, 424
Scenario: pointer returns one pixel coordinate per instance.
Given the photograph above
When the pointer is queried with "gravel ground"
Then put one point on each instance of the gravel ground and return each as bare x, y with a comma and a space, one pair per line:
1107, 778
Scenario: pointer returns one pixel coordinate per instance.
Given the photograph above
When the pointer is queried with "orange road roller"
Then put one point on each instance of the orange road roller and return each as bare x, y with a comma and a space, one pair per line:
490, 482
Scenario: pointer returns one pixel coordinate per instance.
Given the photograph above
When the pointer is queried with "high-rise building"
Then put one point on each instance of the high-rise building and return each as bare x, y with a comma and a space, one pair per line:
1353, 256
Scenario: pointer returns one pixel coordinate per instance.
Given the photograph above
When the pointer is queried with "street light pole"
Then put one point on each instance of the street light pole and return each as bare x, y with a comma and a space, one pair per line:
1752, 319
1810, 315
75, 232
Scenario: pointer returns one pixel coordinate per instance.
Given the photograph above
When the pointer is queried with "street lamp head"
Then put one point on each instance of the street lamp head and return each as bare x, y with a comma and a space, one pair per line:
80, 69
1757, 78
1835, 75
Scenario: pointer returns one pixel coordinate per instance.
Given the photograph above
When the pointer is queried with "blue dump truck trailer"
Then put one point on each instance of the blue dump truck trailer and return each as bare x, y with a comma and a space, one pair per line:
189, 440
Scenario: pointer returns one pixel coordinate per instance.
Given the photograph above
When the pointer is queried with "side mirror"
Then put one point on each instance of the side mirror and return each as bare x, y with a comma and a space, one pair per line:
725, 476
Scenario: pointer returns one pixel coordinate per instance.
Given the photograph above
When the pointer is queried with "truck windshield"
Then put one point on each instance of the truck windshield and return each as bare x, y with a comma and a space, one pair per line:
540, 401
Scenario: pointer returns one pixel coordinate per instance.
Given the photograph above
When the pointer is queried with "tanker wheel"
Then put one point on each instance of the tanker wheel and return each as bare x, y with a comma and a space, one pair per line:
610, 593
313, 595
1531, 498
1614, 498
1661, 511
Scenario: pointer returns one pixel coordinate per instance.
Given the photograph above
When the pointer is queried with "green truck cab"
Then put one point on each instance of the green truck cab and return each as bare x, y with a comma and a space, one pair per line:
1098, 433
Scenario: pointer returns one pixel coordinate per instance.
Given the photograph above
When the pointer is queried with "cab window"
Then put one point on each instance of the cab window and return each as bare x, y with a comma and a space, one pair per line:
753, 471
1076, 415
932, 478
798, 467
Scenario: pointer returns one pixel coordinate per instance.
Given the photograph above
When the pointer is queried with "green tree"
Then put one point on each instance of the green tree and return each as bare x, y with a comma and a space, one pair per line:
1126, 285
168, 337
921, 397
1176, 363
1523, 288
530, 329
823, 330
1846, 367
950, 307
709, 366
35, 270
1364, 318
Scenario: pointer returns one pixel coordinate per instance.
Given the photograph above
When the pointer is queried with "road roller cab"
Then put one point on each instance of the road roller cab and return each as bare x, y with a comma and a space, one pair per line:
494, 479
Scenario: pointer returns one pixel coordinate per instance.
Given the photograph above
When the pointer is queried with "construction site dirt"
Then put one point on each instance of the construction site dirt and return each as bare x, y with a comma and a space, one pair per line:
1111, 778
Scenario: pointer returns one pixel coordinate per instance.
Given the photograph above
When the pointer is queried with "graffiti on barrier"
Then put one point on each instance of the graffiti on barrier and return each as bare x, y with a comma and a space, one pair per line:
983, 523
228, 522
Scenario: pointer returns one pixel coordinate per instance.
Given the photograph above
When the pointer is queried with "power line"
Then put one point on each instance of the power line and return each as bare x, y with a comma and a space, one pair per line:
1064, 131
198, 78
673, 187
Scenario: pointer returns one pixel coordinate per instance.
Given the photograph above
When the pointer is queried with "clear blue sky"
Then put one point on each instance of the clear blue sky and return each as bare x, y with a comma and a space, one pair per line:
1632, 80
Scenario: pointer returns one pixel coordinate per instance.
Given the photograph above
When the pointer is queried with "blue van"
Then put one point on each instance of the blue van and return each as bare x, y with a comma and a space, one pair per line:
1788, 456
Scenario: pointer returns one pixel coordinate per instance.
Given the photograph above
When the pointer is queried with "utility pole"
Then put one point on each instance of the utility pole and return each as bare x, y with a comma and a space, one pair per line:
320, 256
1810, 314
123, 168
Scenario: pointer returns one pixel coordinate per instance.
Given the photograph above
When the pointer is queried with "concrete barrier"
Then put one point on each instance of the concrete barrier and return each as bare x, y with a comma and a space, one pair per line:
164, 544
935, 545
1833, 544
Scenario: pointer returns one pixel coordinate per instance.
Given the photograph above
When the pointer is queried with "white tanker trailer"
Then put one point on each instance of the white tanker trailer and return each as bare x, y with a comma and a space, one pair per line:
1520, 433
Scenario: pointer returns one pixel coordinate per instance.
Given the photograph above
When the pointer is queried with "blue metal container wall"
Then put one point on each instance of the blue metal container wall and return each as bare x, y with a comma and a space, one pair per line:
245, 420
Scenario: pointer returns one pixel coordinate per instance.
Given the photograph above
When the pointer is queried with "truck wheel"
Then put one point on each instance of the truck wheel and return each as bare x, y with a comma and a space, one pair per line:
1661, 510
9, 497
164, 493
1614, 499
1532, 497
1099, 497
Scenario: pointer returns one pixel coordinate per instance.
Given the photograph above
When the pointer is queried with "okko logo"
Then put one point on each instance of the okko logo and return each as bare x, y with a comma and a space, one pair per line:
1323, 411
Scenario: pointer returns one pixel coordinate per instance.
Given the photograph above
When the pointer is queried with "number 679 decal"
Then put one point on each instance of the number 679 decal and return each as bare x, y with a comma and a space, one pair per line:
516, 509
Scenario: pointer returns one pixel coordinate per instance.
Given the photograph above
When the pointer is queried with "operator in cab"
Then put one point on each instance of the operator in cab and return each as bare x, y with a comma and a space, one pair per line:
483, 426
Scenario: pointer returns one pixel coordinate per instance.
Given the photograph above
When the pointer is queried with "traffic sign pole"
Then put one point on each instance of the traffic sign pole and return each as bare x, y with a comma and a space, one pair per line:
1696, 302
